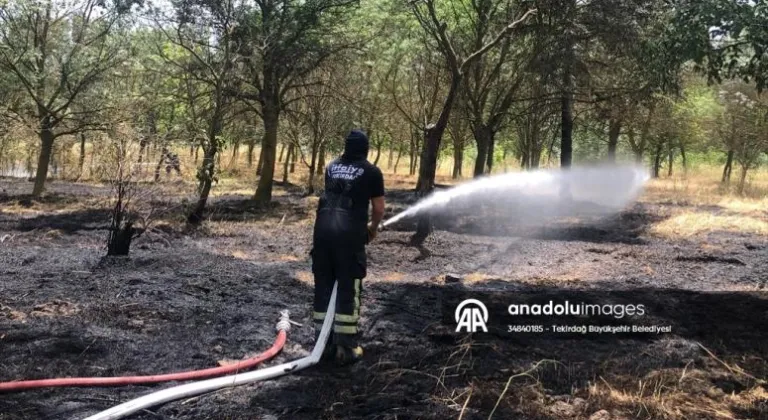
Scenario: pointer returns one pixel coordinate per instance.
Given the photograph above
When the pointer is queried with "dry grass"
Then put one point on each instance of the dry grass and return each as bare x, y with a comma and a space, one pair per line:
304, 276
703, 187
476, 278
674, 394
706, 206
55, 308
240, 255
692, 223
683, 393
392, 276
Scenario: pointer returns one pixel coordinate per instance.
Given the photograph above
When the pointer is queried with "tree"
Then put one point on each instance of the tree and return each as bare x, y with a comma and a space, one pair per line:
459, 130
56, 50
320, 112
202, 48
415, 91
493, 79
743, 129
725, 38
427, 15
577, 38
282, 42
534, 122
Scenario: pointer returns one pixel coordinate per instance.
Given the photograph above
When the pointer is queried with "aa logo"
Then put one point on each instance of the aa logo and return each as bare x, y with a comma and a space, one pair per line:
470, 315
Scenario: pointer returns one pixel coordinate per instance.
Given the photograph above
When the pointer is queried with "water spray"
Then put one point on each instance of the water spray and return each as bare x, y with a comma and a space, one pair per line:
537, 196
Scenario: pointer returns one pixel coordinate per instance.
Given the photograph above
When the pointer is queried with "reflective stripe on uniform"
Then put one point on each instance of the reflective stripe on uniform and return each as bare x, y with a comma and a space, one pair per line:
318, 316
345, 329
355, 307
347, 318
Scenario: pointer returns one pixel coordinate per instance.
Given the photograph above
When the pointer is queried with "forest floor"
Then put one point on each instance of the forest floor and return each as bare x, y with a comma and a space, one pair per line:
189, 299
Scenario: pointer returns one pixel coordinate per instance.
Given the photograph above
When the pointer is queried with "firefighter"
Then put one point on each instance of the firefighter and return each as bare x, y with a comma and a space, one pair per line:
340, 234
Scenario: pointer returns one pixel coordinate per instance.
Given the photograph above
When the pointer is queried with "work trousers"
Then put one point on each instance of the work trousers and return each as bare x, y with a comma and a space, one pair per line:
346, 265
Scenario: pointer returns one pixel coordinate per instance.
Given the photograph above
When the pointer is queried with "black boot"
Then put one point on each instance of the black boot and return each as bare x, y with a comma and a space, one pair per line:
347, 350
330, 347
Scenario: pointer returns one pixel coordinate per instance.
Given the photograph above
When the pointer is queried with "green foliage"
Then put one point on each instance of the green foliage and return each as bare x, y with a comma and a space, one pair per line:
193, 70
725, 38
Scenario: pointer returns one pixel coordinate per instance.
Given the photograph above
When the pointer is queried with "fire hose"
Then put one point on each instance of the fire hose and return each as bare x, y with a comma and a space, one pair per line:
283, 326
201, 387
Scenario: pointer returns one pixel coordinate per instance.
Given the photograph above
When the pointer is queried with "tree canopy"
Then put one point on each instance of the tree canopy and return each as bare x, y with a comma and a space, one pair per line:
536, 81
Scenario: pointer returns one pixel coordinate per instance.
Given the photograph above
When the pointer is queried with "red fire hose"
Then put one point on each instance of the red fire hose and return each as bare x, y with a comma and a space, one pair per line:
131, 380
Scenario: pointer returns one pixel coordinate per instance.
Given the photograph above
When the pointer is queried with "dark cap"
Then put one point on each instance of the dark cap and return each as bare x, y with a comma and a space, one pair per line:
356, 145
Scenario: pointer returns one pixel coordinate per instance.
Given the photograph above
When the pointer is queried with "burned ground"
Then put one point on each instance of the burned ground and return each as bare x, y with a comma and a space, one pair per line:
188, 299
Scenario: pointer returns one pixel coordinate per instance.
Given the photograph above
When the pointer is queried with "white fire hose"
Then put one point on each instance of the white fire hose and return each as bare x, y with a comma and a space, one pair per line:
201, 387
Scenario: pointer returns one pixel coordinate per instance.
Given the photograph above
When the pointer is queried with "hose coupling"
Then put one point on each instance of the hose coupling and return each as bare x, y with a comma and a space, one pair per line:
284, 324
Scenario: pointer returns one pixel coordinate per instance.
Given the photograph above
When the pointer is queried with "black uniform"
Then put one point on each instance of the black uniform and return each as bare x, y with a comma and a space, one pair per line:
340, 235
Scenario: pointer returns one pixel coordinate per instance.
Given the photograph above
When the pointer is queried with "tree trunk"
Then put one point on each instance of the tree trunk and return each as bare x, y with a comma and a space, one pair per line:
645, 133
312, 166
614, 130
378, 154
412, 154
294, 159
566, 139
433, 135
742, 179
208, 170
286, 164
670, 160
535, 158
282, 149
235, 155
458, 159
251, 146
491, 149
260, 163
391, 156
551, 148
30, 158
684, 159
142, 146
159, 164
120, 234
657, 156
566, 101
397, 160
321, 160
120, 240
727, 169
81, 158
269, 148
483, 140
54, 164
525, 160
426, 181
46, 148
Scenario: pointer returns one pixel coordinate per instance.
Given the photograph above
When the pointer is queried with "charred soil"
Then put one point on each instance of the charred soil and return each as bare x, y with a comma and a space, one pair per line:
187, 299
